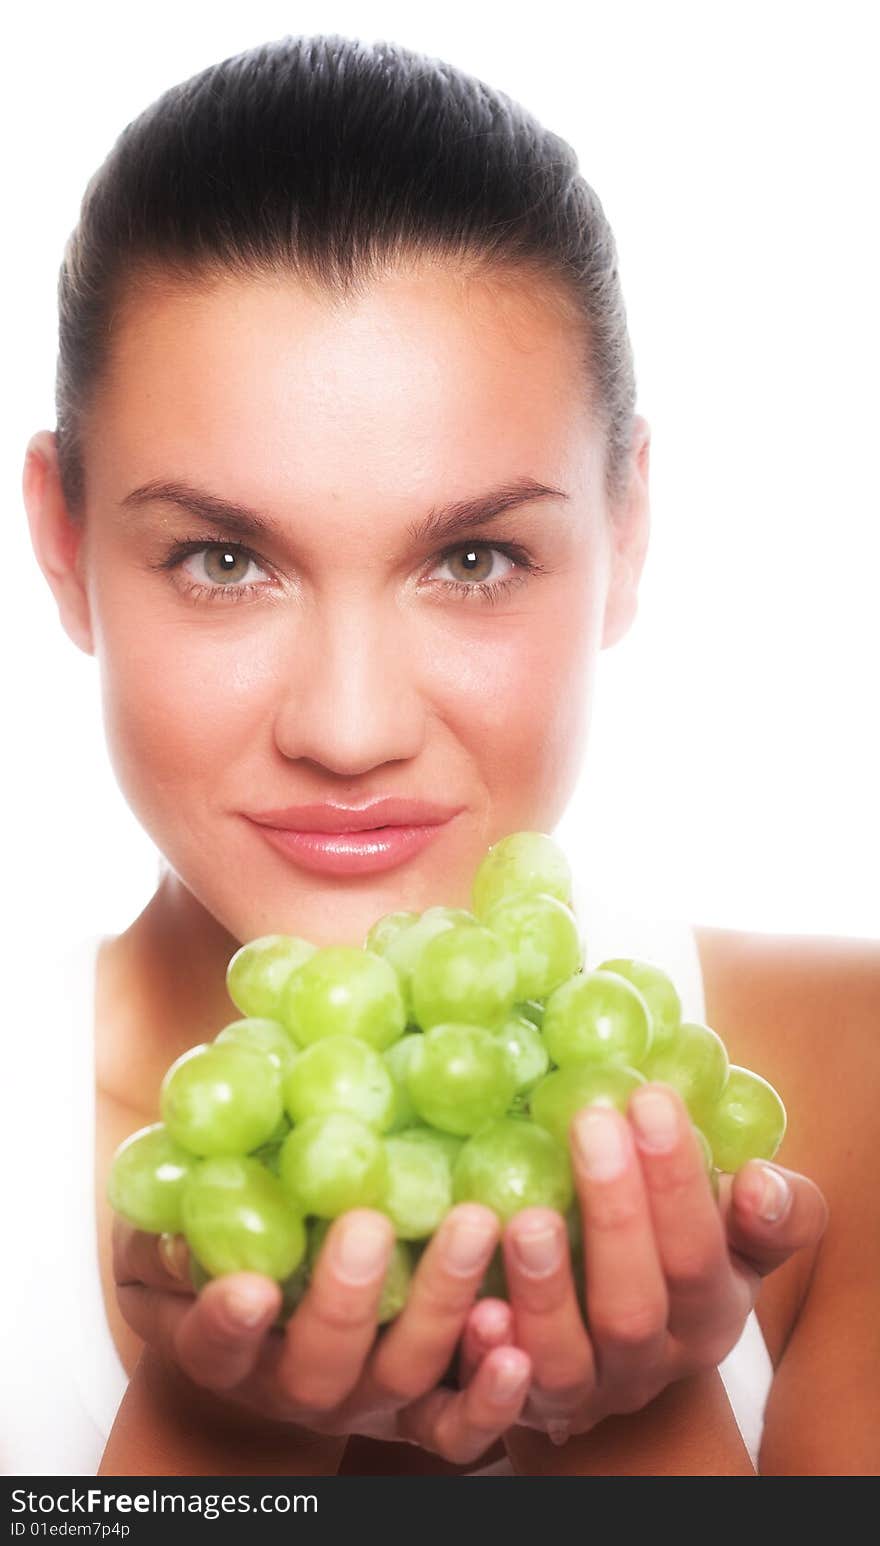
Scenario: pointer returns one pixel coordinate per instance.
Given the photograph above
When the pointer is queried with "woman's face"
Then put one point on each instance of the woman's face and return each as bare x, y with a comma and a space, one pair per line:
343, 654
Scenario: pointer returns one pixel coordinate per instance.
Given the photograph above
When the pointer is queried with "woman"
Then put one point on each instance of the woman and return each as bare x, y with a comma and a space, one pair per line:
347, 493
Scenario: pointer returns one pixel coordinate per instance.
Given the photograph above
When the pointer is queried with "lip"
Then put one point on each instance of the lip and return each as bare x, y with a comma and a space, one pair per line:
331, 816
332, 839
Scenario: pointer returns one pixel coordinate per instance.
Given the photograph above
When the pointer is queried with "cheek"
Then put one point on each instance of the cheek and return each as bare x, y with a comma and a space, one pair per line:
181, 698
517, 693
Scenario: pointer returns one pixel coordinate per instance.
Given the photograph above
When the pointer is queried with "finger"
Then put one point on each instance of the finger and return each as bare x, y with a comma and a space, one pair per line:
331, 1331
158, 1316
462, 1425
418, 1346
770, 1213
549, 1325
159, 1261
217, 1342
708, 1301
154, 1314
626, 1297
489, 1325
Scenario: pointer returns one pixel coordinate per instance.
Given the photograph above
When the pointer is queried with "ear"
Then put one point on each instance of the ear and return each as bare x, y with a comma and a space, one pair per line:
56, 538
630, 527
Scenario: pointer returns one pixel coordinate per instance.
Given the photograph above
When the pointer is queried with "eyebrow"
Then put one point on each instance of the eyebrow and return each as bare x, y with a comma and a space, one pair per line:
441, 523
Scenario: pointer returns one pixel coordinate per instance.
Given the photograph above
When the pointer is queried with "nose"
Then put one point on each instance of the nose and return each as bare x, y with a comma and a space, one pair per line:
350, 696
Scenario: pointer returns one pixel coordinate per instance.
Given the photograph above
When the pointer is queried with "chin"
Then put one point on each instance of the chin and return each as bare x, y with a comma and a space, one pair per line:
343, 914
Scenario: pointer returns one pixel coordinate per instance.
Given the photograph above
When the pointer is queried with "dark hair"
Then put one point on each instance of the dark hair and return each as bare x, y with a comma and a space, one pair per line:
330, 158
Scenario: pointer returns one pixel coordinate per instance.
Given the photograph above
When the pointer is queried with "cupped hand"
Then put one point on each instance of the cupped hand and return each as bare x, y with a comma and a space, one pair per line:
668, 1275
327, 1370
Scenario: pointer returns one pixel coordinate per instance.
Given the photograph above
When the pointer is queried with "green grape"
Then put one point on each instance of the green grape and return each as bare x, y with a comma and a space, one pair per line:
404, 949
511, 1165
385, 929
560, 1095
395, 1289
258, 972
695, 1064
331, 1163
418, 1191
340, 1073
221, 1099
237, 1218
442, 1063
466, 975
342, 991
266, 1036
522, 861
432, 1138
397, 1058
705, 1148
531, 1009
146, 1179
452, 917
748, 1122
659, 993
525, 1047
597, 1017
542, 935
460, 1078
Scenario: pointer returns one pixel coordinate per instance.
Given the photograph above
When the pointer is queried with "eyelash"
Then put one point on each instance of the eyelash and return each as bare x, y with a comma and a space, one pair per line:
487, 591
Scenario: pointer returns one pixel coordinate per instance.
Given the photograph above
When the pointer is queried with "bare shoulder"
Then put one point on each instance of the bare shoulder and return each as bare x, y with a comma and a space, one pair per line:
804, 1011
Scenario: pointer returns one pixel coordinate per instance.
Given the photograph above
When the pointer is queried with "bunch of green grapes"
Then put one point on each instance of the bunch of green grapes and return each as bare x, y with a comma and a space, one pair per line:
443, 1062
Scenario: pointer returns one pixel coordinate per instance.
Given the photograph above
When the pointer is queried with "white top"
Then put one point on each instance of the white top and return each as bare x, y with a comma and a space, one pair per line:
63, 1379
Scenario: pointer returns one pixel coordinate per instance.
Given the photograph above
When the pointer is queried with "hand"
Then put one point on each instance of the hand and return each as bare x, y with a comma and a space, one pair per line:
327, 1370
668, 1275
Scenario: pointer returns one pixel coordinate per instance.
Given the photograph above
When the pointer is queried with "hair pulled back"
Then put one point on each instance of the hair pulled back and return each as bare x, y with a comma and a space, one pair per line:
332, 159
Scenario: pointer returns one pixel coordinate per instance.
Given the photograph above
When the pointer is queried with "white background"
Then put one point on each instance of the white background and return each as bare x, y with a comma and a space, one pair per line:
733, 766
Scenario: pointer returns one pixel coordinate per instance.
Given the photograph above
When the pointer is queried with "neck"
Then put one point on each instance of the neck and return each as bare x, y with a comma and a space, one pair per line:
161, 989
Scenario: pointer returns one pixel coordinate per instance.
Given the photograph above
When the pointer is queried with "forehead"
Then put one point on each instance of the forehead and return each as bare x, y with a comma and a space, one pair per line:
264, 382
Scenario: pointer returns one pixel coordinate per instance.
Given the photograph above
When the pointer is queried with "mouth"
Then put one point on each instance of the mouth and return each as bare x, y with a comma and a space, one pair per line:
353, 851
331, 816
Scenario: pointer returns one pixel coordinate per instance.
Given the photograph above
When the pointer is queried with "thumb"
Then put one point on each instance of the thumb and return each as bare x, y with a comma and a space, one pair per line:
769, 1213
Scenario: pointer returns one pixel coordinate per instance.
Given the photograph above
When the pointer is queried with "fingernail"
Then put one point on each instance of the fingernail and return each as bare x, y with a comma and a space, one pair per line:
360, 1254
468, 1245
656, 1119
245, 1307
537, 1251
775, 1198
508, 1381
494, 1325
174, 1256
600, 1143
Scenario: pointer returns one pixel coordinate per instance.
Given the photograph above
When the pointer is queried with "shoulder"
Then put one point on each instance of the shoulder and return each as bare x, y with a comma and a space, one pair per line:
804, 1011
794, 957
804, 1008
